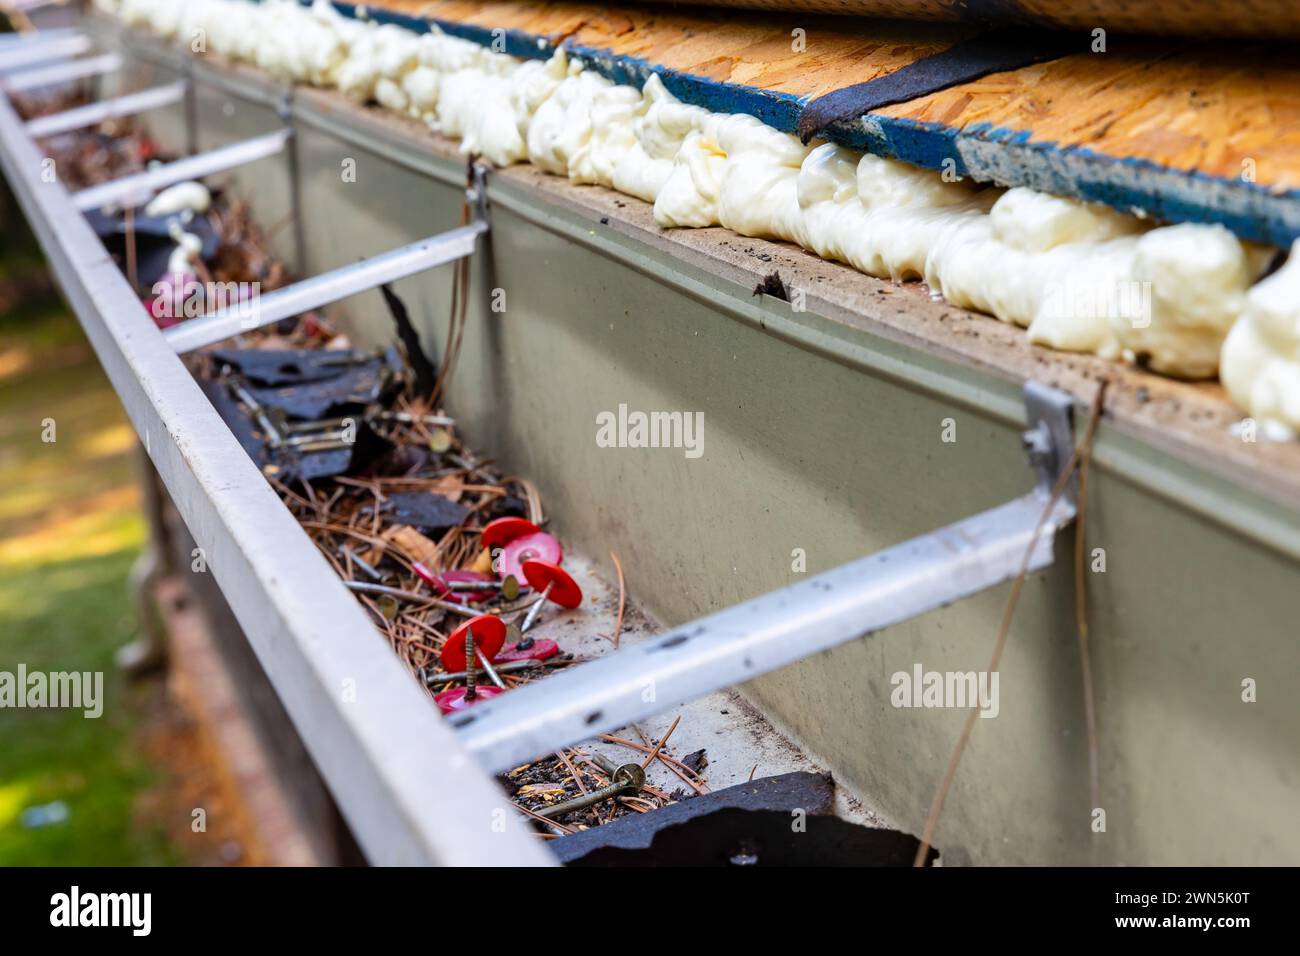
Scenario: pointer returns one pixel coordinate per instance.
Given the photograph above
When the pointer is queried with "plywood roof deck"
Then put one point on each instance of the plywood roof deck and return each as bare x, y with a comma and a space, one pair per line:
1180, 129
1258, 18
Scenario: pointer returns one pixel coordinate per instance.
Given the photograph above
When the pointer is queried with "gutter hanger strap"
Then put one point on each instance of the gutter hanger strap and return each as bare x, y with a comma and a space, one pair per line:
786, 625
23, 53
140, 187
325, 288
91, 114
340, 283
62, 73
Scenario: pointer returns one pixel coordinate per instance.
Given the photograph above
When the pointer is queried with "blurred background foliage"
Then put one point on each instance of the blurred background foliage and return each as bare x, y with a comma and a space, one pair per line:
70, 527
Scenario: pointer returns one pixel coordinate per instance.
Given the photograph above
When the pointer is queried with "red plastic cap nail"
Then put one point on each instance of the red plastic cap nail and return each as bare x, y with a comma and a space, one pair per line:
450, 701
501, 532
531, 547
489, 638
441, 584
564, 590
540, 651
435, 581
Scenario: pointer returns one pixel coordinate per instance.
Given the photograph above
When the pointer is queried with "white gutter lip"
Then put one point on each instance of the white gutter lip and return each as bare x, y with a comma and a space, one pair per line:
385, 752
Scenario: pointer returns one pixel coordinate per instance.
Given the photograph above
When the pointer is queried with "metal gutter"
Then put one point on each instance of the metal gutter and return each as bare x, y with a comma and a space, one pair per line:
1160, 660
386, 754
344, 697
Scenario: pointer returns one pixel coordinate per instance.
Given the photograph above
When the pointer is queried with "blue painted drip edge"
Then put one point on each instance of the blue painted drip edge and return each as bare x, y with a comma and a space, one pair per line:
983, 152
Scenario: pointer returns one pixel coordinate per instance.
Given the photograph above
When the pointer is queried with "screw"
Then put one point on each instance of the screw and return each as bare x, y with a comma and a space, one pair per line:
463, 648
337, 444
432, 678
629, 778
273, 436
471, 692
473, 653
331, 438
407, 418
321, 424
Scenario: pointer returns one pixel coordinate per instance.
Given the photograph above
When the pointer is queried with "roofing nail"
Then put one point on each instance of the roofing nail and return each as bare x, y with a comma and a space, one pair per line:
553, 583
627, 779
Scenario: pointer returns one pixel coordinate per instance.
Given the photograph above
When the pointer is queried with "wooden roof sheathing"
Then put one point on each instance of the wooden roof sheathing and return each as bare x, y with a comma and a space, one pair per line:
1178, 129
1257, 18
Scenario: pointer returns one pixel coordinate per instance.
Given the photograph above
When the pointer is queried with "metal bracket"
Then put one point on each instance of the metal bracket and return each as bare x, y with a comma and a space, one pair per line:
92, 114
343, 282
284, 105
787, 625
20, 52
476, 192
1049, 439
62, 73
140, 187
12, 41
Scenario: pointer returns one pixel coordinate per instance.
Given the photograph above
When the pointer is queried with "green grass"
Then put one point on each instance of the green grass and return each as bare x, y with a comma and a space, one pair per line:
70, 526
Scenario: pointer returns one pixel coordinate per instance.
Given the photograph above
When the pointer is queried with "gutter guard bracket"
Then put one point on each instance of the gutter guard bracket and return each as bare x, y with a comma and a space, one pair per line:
345, 281
141, 187
79, 117
789, 624
19, 52
59, 73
